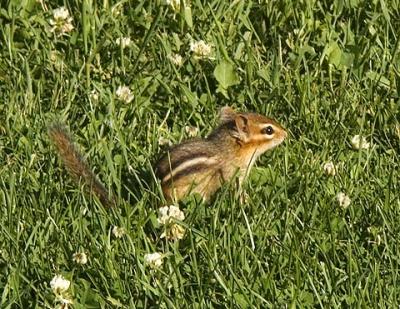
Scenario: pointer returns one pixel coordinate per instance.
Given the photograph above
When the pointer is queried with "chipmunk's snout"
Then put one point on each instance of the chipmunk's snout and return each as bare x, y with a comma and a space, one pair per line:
282, 135
285, 134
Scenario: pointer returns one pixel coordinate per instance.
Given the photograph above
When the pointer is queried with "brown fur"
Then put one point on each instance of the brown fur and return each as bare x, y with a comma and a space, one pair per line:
198, 165
231, 149
76, 165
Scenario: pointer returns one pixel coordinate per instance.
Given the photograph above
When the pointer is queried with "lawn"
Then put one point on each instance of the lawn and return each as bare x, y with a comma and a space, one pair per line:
320, 225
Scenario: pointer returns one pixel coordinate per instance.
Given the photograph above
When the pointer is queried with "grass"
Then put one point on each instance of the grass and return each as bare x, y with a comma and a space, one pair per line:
325, 70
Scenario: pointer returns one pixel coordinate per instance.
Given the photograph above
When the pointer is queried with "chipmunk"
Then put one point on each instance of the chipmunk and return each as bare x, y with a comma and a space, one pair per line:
196, 165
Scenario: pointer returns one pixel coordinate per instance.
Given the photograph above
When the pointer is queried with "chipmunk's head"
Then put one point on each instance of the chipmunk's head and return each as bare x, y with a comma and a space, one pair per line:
252, 130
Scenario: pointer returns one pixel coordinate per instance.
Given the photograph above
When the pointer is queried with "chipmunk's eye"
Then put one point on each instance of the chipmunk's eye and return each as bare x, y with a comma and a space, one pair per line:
268, 130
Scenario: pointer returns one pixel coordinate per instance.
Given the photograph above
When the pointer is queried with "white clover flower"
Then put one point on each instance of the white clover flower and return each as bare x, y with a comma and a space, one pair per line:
200, 49
176, 59
60, 13
175, 212
94, 95
173, 232
174, 4
167, 214
329, 168
154, 260
343, 200
59, 284
162, 141
61, 22
360, 142
80, 258
124, 94
123, 42
67, 27
118, 231
65, 300
163, 215
191, 131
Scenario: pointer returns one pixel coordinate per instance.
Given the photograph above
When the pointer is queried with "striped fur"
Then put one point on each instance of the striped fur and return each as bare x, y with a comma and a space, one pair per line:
203, 165
197, 165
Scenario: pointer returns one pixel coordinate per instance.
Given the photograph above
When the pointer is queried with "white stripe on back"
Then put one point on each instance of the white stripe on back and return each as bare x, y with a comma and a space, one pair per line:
189, 163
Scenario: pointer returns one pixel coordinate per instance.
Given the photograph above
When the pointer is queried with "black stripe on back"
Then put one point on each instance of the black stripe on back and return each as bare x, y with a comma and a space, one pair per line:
187, 171
166, 165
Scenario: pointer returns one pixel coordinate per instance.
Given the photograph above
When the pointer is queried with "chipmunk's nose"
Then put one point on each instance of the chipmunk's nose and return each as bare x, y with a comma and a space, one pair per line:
285, 134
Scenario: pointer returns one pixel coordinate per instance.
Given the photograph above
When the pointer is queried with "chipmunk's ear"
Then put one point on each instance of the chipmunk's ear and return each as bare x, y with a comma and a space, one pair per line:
226, 114
241, 128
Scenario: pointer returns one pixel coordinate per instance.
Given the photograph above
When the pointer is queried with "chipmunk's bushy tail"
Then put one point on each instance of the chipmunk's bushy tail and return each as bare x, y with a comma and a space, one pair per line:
76, 165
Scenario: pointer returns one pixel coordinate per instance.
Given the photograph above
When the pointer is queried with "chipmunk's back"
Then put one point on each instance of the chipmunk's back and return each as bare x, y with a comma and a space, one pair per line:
190, 165
203, 165
197, 165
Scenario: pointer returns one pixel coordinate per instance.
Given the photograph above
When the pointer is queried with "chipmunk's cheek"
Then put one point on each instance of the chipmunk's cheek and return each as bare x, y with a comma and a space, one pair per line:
278, 141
